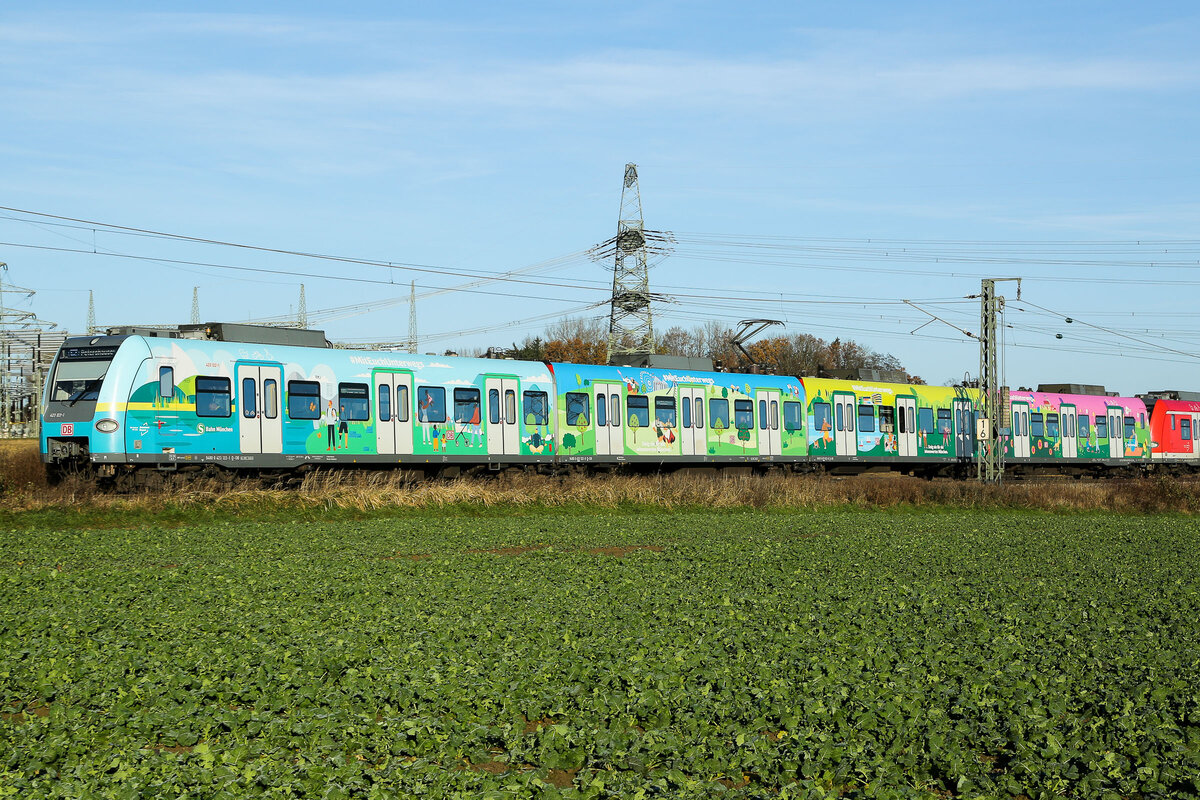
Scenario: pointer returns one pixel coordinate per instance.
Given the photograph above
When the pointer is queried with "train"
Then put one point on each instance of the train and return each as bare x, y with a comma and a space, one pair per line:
134, 405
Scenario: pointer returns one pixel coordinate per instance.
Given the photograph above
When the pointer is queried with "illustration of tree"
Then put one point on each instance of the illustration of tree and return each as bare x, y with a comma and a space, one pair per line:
743, 436
634, 424
718, 425
568, 440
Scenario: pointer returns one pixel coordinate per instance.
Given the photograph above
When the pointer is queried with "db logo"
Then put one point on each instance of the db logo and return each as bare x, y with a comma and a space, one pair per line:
68, 429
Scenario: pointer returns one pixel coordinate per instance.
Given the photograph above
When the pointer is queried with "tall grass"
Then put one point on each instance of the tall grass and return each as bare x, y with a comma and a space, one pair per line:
23, 487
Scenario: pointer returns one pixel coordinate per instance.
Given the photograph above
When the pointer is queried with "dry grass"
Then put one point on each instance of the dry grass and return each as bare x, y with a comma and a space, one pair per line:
21, 466
23, 487
379, 491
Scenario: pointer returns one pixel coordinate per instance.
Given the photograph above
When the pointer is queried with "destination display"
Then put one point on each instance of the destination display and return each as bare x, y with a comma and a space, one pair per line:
103, 353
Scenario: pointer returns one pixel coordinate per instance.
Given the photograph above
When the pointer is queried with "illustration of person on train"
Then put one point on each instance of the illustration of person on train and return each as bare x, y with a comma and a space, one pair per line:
472, 428
330, 418
424, 408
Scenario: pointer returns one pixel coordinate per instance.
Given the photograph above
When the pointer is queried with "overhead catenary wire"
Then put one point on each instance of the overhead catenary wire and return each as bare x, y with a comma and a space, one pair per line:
804, 253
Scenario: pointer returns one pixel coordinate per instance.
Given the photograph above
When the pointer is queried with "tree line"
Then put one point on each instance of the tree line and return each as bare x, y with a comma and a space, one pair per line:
585, 341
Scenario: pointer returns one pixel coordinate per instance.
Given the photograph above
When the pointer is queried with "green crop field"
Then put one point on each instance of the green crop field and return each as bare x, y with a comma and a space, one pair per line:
606, 653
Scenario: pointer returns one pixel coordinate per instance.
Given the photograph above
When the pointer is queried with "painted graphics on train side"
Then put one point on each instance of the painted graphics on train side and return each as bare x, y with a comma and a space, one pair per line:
1048, 425
226, 401
883, 421
614, 413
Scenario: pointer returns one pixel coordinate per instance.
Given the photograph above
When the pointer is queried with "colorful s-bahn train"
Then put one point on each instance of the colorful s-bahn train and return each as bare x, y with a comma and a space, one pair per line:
129, 405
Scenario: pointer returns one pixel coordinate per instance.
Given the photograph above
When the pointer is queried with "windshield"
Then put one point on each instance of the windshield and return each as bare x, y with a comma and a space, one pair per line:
78, 380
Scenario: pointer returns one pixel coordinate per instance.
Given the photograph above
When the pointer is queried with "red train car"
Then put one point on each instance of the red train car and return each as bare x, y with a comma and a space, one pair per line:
1174, 428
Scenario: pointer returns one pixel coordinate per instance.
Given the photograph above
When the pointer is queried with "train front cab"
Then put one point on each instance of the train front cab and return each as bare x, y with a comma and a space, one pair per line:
1174, 428
82, 412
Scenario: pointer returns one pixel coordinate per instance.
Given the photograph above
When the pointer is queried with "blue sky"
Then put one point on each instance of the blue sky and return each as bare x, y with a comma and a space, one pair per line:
818, 164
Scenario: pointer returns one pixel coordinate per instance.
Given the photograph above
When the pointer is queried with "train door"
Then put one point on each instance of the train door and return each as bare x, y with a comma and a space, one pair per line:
503, 432
393, 413
691, 417
1116, 432
843, 424
1068, 429
770, 439
260, 425
1020, 430
964, 430
906, 427
610, 433
1191, 446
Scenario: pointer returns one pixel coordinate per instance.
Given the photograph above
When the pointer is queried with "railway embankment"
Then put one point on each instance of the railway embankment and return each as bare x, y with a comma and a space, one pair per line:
23, 488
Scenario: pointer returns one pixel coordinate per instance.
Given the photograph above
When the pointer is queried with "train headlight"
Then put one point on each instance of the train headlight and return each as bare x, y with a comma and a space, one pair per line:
107, 426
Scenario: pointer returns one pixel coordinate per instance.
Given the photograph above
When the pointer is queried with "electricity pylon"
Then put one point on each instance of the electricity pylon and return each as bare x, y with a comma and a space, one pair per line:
630, 326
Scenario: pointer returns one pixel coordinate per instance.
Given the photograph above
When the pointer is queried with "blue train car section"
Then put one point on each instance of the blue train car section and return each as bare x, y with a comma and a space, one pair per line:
169, 402
631, 414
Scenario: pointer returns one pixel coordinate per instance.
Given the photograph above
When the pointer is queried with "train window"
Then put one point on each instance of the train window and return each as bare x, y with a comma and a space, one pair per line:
743, 414
866, 418
494, 407
385, 403
1052, 426
762, 414
1037, 426
821, 417
664, 411
925, 420
905, 422
793, 416
536, 408
249, 398
78, 380
510, 406
401, 412
270, 398
1101, 426
1185, 430
304, 400
212, 397
638, 406
699, 416
887, 418
601, 411
1129, 427
1084, 423
718, 413
431, 404
166, 381
840, 414
943, 421
354, 402
774, 415
686, 412
614, 410
1069, 425
466, 406
1141, 420
578, 408
1172, 423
